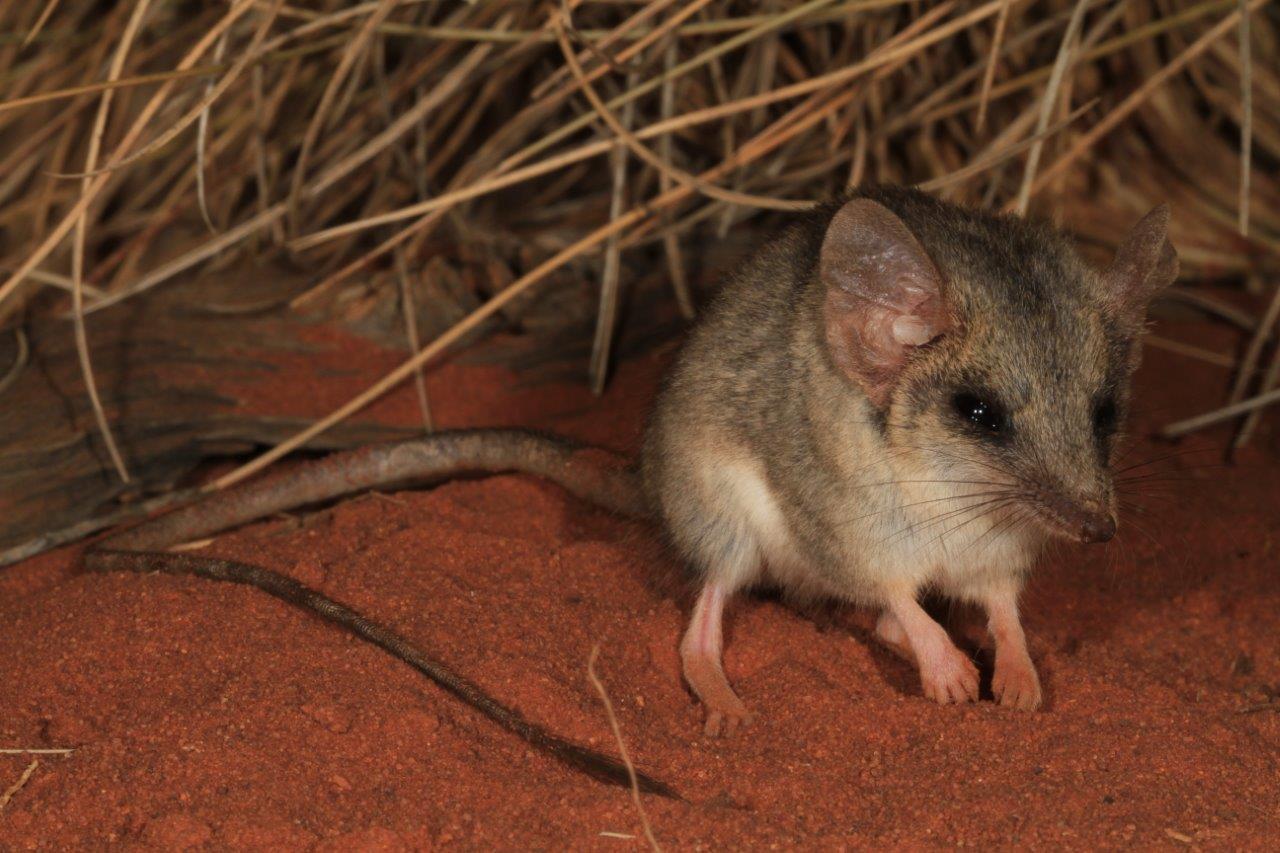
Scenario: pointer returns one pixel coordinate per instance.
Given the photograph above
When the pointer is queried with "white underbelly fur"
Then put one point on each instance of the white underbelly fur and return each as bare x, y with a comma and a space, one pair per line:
915, 547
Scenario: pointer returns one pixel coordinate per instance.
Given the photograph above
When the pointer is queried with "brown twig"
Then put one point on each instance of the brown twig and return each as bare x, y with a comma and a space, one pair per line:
1246, 108
1225, 413
355, 50
622, 748
1061, 67
13, 789
19, 360
989, 76
671, 243
77, 255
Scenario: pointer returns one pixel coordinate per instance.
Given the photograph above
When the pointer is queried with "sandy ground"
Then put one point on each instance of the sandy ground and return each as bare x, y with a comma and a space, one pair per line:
206, 715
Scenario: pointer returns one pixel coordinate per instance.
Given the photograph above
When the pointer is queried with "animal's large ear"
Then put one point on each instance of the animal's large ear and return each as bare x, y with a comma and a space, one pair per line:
884, 295
1145, 263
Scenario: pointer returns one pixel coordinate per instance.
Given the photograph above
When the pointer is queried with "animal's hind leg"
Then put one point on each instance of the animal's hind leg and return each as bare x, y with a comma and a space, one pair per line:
701, 653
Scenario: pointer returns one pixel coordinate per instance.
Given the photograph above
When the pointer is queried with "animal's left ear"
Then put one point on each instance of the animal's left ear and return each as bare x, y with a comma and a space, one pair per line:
1145, 263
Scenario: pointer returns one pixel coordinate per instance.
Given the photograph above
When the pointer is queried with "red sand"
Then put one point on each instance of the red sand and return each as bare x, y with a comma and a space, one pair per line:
210, 715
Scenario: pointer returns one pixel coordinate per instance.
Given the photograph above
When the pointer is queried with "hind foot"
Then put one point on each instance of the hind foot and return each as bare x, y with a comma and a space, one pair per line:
700, 653
725, 711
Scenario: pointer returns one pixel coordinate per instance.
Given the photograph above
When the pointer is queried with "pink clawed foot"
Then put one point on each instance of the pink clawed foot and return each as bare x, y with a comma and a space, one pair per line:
946, 673
700, 653
949, 676
725, 711
1015, 683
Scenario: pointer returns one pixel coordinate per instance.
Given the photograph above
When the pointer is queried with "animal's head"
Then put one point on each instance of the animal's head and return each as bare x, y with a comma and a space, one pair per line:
998, 360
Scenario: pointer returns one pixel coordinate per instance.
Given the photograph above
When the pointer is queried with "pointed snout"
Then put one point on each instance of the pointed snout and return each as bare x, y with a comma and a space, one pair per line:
1098, 528
1085, 520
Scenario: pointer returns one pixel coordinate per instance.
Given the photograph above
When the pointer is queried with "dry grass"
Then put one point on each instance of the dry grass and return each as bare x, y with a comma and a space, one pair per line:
623, 753
571, 141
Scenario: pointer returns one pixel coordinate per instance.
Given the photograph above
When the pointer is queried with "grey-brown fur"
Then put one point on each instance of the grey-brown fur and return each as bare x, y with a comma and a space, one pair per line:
757, 369
769, 461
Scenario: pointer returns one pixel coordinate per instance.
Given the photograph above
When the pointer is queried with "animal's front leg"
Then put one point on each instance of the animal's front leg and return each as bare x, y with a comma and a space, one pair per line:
889, 631
1015, 682
946, 673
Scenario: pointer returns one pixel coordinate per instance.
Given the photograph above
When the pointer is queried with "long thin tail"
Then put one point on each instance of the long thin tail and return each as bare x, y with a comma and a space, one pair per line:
431, 458
588, 473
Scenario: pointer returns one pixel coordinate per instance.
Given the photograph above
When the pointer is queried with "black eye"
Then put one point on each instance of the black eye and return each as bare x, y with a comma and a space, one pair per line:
1104, 418
980, 412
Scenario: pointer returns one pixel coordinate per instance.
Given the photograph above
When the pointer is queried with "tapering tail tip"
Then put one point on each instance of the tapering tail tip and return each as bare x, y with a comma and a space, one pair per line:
611, 771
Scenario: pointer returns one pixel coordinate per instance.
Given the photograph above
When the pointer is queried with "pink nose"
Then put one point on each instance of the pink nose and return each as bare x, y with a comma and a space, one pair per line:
1086, 519
1097, 528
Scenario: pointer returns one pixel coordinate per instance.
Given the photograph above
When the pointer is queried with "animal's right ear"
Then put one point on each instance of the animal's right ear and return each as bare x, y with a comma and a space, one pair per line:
884, 295
1145, 263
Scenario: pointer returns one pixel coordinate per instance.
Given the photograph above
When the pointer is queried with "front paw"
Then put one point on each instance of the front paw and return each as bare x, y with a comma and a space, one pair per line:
1015, 684
950, 677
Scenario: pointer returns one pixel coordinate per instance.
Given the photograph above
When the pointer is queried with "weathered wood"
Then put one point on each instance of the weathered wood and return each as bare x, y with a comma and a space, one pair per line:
163, 372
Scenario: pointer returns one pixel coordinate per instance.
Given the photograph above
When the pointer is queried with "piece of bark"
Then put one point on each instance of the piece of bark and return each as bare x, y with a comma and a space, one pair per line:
168, 373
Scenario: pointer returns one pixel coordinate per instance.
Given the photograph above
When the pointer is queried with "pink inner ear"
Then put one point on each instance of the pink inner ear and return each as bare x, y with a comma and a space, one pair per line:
912, 331
884, 295
920, 318
871, 343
